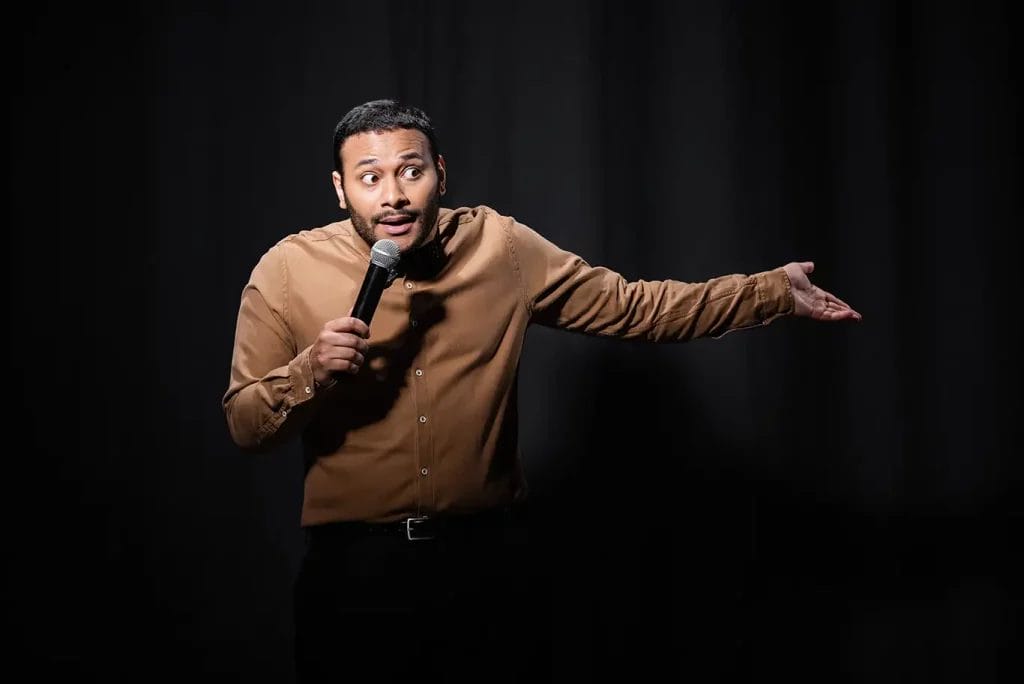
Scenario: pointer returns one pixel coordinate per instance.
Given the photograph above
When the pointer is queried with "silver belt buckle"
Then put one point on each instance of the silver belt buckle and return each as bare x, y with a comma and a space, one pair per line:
410, 534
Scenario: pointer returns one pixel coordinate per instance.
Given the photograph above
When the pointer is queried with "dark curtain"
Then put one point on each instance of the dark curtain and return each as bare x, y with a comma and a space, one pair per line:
833, 503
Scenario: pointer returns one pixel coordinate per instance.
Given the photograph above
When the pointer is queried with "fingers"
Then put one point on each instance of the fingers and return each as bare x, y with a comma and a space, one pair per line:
344, 339
836, 309
347, 324
807, 266
341, 347
841, 315
837, 300
336, 358
344, 359
829, 297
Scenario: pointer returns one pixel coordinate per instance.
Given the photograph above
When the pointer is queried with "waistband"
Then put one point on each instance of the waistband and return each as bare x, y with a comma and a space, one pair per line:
416, 528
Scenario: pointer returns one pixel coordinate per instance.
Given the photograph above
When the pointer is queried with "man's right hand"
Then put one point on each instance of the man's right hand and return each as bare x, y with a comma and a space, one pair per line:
339, 348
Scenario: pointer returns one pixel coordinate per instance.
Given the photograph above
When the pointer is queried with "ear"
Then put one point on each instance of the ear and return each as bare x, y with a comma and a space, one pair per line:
336, 179
442, 175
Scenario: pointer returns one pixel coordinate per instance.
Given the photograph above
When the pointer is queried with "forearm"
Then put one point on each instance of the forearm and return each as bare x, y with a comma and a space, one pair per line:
267, 411
676, 311
601, 302
562, 290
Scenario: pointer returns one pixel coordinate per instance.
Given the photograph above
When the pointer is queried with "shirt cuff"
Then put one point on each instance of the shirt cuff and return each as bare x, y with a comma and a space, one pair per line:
300, 372
774, 295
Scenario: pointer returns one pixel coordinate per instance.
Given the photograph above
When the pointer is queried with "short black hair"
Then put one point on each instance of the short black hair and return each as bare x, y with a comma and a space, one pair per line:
382, 115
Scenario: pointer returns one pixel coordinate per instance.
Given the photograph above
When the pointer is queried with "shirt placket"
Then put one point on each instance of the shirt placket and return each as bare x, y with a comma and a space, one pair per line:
419, 381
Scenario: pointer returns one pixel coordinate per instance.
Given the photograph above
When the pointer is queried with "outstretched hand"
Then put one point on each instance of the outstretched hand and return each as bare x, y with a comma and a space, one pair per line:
813, 302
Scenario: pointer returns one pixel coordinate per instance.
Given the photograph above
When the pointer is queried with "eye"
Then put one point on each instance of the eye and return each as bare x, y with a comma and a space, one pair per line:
411, 173
368, 178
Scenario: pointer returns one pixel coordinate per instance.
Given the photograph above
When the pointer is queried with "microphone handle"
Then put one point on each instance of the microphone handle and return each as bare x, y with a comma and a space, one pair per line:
369, 294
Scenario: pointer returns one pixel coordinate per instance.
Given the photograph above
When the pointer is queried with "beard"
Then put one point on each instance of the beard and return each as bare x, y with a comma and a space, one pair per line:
428, 218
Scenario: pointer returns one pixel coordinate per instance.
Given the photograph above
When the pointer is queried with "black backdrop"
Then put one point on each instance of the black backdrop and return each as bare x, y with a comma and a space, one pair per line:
837, 503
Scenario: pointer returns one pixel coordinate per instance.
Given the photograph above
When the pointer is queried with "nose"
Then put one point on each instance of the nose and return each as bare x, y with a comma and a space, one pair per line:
394, 194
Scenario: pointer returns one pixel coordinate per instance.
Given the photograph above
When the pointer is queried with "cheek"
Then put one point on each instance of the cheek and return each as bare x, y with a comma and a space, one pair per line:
425, 195
357, 201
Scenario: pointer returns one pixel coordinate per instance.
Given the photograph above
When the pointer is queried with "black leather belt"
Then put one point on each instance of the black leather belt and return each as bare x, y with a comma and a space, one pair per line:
416, 528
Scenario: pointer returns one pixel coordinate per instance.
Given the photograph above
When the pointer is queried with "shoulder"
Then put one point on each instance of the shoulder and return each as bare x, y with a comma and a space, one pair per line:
477, 228
477, 218
480, 214
312, 239
318, 243
302, 245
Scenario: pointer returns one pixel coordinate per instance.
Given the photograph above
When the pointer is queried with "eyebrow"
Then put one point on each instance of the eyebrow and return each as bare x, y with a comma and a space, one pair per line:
370, 161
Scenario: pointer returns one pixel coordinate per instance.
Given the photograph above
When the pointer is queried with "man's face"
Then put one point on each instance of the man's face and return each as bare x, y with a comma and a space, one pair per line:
391, 186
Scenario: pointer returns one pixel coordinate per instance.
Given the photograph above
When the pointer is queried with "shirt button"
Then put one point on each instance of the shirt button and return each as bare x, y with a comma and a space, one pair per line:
419, 372
408, 286
423, 419
309, 390
424, 471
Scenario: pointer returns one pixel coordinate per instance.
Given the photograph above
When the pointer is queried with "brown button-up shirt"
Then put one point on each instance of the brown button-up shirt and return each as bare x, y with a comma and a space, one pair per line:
429, 424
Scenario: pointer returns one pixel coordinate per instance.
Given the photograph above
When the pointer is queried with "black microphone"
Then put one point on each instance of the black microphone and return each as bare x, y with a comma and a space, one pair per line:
383, 258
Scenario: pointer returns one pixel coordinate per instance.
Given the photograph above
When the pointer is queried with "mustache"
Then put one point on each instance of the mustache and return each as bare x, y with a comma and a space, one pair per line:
410, 215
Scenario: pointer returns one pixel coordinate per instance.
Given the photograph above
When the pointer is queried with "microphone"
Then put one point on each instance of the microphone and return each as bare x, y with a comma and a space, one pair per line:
383, 257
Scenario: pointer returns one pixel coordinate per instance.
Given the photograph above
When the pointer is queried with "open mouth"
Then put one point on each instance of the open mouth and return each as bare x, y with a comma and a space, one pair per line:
398, 224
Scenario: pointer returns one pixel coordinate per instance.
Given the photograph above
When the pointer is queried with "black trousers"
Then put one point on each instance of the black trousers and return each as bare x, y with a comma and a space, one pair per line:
467, 606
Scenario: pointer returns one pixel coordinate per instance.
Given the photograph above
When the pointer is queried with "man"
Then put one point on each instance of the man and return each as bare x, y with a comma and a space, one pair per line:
409, 429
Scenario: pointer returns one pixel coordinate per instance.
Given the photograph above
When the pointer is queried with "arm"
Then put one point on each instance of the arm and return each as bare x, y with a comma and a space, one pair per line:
560, 289
274, 386
269, 375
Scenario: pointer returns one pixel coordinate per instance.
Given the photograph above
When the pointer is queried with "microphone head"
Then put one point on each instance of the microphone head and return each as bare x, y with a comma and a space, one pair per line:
385, 253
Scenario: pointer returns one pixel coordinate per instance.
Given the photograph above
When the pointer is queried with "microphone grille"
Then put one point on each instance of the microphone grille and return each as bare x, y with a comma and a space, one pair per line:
385, 253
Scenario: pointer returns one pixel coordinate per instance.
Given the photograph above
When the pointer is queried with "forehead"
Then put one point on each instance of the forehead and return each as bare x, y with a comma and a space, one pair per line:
384, 145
